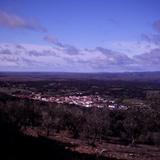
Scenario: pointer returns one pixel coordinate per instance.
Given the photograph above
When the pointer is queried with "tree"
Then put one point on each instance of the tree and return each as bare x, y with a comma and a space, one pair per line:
133, 124
73, 120
97, 124
23, 116
47, 123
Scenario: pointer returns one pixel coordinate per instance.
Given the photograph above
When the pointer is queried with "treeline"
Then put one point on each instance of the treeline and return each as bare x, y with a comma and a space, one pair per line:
134, 125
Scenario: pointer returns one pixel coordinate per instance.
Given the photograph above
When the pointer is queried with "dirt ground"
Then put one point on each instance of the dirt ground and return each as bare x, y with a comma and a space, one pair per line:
108, 150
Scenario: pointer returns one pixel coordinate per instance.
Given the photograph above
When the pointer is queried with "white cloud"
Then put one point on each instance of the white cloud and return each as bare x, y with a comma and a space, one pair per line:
131, 48
56, 58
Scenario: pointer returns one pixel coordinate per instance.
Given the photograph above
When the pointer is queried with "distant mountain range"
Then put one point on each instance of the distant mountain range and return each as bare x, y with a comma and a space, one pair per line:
126, 76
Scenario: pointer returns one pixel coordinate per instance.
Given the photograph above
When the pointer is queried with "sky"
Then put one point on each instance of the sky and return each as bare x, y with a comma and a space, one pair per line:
80, 35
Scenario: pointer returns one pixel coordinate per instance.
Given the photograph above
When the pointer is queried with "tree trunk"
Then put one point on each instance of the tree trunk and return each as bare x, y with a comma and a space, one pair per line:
133, 140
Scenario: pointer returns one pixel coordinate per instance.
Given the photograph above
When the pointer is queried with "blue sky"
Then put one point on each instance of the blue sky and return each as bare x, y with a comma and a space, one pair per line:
128, 28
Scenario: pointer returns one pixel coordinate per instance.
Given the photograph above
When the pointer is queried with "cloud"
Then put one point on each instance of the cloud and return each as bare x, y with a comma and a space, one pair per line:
53, 40
67, 58
148, 61
49, 58
69, 49
156, 25
131, 48
5, 51
151, 38
149, 58
115, 57
13, 21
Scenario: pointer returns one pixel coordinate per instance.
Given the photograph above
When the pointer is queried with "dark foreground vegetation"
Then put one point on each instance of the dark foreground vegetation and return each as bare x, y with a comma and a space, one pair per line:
92, 125
141, 125
16, 146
